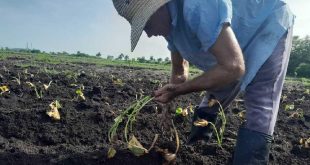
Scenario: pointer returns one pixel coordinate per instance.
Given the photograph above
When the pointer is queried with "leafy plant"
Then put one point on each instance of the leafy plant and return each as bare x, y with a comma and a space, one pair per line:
17, 79
118, 82
47, 86
4, 89
305, 142
111, 153
131, 112
299, 113
218, 132
181, 111
170, 158
289, 107
80, 93
53, 112
39, 94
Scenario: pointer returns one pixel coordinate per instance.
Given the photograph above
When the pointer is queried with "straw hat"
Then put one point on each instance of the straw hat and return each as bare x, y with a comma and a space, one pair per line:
137, 13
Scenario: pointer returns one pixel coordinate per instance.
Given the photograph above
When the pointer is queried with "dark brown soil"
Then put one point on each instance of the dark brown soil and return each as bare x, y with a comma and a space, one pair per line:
28, 136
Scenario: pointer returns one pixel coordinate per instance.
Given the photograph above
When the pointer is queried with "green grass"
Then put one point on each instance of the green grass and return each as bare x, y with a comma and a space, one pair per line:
292, 80
61, 59
37, 60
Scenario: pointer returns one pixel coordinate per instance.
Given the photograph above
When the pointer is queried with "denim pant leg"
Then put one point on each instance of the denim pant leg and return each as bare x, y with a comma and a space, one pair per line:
262, 95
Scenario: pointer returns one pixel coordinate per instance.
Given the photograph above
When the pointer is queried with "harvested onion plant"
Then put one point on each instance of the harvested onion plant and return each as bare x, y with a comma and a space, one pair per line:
131, 112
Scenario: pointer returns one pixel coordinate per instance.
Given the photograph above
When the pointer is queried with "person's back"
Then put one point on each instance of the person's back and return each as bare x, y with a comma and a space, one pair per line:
240, 45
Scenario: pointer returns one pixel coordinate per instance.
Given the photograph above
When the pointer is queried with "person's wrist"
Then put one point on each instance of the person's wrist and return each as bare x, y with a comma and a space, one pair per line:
179, 89
178, 78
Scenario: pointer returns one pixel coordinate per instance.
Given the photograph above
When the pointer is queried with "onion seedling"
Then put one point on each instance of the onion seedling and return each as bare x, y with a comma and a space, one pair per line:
80, 93
17, 79
47, 86
111, 153
53, 112
305, 142
289, 107
38, 94
170, 158
131, 112
218, 132
4, 89
299, 113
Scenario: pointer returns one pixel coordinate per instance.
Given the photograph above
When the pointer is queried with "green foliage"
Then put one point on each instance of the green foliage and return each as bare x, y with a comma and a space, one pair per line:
303, 70
131, 112
300, 57
289, 107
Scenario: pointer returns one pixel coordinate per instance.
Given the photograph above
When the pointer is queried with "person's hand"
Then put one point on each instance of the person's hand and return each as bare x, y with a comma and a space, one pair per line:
166, 93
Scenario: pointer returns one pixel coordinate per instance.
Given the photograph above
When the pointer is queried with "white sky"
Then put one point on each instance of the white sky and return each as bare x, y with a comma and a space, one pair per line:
90, 27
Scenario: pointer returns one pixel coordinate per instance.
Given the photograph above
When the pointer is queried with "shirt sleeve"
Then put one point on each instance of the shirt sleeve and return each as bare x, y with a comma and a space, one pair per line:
205, 19
171, 47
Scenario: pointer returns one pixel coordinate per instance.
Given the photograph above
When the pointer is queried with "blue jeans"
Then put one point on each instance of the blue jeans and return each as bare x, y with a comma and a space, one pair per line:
262, 95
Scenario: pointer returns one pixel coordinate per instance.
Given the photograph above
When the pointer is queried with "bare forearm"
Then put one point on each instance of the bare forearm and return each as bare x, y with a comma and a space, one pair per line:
216, 78
230, 66
179, 70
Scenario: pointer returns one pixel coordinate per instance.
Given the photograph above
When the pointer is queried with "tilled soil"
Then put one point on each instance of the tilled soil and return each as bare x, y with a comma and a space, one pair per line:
29, 136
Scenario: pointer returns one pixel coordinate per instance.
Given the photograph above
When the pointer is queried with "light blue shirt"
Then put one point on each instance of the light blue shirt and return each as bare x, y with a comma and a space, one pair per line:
257, 24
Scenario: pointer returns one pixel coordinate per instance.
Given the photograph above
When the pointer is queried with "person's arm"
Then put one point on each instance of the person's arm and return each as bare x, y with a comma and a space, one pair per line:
179, 70
229, 68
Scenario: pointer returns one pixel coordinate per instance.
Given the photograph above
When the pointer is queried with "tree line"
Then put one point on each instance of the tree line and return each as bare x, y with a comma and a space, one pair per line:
299, 65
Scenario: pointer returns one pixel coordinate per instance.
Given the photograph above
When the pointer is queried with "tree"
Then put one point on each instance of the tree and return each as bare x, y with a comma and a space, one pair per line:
109, 57
152, 59
120, 57
126, 57
98, 54
141, 59
300, 54
167, 59
303, 70
35, 51
159, 60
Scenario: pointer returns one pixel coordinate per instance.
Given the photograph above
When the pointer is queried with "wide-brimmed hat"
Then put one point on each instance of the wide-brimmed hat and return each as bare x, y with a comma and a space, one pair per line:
137, 13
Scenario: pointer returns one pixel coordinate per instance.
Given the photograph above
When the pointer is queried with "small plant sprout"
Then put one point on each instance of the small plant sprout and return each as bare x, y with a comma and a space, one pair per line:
111, 153
190, 107
180, 111
305, 142
307, 92
53, 112
4, 89
289, 107
131, 112
170, 158
218, 132
39, 94
47, 86
17, 79
118, 82
202, 93
80, 93
201, 123
299, 113
136, 147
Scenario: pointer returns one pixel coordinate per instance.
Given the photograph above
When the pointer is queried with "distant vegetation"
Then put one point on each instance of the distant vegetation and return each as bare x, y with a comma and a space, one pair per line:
299, 65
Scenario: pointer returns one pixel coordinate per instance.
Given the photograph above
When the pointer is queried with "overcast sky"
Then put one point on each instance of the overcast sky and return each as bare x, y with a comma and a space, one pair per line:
89, 26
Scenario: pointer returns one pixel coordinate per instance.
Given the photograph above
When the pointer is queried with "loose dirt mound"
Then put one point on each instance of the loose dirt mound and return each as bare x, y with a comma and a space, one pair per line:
29, 136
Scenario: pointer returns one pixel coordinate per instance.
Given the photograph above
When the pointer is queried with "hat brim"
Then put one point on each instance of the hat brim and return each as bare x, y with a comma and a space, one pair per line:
140, 19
